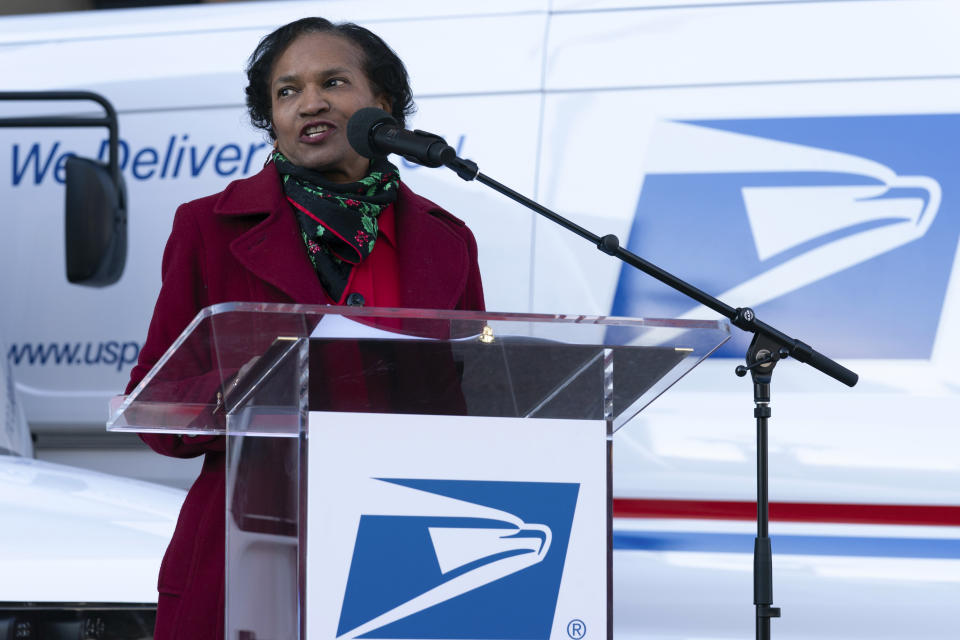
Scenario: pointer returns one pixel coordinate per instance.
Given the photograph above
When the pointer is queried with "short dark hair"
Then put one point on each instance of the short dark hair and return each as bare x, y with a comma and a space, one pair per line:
382, 66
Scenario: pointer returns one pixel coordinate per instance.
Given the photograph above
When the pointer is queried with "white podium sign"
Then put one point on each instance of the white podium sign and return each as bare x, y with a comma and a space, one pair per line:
437, 527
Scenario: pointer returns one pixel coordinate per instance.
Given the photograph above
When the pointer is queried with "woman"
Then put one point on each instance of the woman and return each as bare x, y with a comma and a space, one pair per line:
319, 224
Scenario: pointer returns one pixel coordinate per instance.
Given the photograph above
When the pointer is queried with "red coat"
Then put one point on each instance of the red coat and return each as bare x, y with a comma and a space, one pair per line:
244, 245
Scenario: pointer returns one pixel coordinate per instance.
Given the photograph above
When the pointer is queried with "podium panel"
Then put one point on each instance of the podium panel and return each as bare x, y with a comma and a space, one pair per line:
397, 473
446, 526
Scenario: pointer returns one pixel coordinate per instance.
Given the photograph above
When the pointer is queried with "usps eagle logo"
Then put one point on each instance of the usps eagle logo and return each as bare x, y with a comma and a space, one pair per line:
477, 559
840, 230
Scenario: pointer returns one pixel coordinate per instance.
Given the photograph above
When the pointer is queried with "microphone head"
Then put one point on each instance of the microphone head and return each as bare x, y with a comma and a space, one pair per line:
360, 128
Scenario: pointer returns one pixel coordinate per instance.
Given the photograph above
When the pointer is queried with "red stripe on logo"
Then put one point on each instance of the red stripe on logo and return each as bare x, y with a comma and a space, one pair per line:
789, 511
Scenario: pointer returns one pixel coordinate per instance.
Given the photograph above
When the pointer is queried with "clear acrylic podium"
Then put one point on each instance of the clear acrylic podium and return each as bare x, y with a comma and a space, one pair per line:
367, 383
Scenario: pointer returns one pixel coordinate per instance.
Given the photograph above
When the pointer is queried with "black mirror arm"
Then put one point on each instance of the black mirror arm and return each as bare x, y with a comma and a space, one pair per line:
108, 120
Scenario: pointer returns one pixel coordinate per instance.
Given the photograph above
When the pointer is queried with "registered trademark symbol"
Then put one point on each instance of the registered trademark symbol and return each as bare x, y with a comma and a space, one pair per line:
576, 629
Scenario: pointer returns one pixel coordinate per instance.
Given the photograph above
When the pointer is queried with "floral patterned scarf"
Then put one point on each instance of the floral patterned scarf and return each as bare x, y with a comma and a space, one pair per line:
338, 221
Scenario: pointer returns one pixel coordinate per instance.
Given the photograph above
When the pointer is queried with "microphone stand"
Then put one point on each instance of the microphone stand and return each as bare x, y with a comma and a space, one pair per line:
767, 347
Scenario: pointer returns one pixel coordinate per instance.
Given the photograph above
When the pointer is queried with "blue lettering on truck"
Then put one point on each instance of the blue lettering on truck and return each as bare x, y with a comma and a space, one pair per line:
179, 157
38, 163
111, 352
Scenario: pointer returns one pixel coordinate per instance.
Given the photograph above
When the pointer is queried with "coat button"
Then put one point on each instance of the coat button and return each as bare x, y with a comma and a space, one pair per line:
355, 300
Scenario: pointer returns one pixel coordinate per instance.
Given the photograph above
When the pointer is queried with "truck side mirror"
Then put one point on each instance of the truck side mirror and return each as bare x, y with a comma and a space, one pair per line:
95, 224
96, 211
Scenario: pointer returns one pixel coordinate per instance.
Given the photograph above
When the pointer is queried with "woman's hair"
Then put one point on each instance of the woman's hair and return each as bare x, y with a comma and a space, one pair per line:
383, 68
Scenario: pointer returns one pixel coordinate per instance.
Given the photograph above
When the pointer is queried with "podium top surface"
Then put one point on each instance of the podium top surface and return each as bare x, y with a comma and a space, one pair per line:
243, 357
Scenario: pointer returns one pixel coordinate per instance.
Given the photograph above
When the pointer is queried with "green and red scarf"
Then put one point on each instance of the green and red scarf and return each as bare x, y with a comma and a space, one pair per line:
338, 221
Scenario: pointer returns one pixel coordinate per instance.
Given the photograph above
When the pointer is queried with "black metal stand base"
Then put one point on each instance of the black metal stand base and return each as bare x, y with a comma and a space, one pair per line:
762, 356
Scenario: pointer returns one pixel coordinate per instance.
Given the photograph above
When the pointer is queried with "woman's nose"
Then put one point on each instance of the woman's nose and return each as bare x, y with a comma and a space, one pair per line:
313, 101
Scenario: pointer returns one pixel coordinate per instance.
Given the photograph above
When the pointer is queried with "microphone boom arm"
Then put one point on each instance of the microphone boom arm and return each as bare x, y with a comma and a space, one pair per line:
743, 318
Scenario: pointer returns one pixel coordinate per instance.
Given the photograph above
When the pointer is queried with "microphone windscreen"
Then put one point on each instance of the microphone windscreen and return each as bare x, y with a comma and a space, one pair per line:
361, 124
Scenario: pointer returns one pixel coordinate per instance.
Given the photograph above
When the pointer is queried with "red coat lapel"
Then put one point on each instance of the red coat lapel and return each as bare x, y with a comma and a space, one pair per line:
271, 249
434, 259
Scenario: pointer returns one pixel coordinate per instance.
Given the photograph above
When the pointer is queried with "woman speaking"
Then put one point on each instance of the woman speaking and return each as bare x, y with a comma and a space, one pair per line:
320, 224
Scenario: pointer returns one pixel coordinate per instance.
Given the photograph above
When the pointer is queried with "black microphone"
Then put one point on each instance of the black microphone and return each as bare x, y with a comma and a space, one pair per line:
374, 133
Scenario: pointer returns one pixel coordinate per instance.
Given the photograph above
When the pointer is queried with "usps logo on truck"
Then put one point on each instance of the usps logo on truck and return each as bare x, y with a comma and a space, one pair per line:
480, 558
841, 230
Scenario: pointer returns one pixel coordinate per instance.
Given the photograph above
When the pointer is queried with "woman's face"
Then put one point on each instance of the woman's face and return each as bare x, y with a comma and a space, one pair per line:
316, 85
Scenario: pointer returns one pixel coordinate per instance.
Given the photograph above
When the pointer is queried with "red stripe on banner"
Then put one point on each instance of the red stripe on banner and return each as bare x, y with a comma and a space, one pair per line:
789, 511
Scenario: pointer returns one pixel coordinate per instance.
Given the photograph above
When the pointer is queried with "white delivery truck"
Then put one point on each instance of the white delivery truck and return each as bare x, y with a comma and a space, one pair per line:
795, 157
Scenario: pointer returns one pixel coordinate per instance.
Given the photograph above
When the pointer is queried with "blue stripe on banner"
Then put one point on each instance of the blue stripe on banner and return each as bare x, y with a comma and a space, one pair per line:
790, 544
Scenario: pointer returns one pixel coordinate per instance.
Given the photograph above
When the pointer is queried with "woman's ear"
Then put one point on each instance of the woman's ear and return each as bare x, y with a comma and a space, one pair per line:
384, 103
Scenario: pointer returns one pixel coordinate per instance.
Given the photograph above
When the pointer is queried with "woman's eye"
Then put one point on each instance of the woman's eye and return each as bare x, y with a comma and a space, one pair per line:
335, 82
284, 92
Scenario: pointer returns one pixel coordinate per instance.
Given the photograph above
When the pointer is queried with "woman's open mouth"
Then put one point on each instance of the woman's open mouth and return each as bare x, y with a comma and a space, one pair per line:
315, 132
